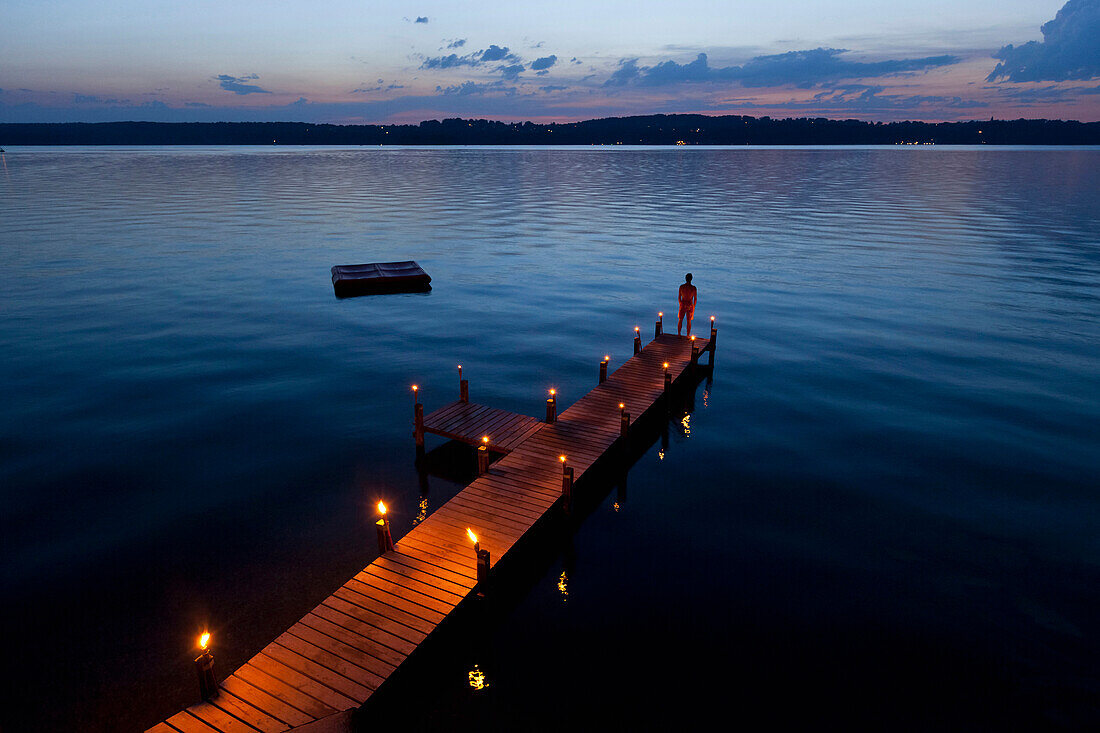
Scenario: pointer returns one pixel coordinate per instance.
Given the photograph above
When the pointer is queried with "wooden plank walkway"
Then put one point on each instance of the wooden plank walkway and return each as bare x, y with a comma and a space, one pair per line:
339, 653
468, 422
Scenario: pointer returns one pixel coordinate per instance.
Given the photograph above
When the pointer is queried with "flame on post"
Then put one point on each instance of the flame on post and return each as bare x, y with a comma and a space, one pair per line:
636, 329
660, 314
382, 509
622, 405
666, 366
485, 439
561, 458
471, 535
204, 640
553, 392
606, 357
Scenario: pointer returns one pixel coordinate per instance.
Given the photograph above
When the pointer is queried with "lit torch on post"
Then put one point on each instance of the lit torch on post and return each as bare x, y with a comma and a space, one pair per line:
483, 456
637, 340
668, 379
624, 421
204, 666
482, 563
566, 483
463, 387
385, 539
418, 417
552, 406
659, 326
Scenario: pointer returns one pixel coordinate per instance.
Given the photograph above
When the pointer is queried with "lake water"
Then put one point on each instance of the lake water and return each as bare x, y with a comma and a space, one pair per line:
882, 513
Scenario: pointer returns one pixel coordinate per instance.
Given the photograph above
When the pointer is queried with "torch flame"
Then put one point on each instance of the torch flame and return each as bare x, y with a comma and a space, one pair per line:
637, 329
666, 365
660, 314
204, 640
381, 508
471, 535
553, 392
693, 338
606, 357
622, 405
485, 439
415, 388
561, 458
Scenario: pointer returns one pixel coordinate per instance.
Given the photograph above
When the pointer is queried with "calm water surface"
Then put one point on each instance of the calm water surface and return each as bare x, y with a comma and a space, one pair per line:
882, 513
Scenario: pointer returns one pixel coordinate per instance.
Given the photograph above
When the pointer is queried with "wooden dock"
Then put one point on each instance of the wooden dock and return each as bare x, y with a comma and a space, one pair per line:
339, 653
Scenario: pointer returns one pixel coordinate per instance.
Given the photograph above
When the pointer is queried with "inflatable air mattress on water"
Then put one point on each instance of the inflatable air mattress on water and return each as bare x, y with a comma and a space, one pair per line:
379, 277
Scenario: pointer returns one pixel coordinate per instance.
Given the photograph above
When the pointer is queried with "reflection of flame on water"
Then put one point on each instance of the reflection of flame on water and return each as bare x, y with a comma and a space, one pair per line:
616, 506
477, 678
563, 586
423, 513
706, 395
686, 425
661, 454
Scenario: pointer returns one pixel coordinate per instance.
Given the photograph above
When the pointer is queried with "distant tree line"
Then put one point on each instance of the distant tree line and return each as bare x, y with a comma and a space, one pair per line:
640, 130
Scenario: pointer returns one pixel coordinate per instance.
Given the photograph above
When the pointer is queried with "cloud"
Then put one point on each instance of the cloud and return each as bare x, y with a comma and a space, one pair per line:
457, 43
239, 85
496, 53
421, 19
552, 88
862, 99
544, 63
1070, 48
627, 72
477, 58
468, 88
92, 99
511, 72
799, 68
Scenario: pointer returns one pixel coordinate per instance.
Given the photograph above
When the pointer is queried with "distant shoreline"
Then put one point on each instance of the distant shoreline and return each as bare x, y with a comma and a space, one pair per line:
639, 130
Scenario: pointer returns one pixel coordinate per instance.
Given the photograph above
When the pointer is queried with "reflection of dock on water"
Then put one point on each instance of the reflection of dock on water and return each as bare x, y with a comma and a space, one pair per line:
339, 653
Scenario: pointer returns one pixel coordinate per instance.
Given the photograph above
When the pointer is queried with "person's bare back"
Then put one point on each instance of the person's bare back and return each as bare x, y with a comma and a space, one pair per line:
688, 296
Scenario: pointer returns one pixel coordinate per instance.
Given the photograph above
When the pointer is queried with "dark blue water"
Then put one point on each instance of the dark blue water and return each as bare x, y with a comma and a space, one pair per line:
882, 513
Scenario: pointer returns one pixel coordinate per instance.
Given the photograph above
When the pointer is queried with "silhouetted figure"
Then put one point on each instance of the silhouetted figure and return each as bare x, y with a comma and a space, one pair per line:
687, 304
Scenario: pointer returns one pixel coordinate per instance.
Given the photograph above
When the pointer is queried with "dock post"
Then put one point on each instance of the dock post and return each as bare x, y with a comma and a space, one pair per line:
658, 327
552, 406
624, 422
483, 456
204, 666
566, 483
694, 353
713, 339
668, 380
603, 369
418, 418
385, 539
482, 557
637, 340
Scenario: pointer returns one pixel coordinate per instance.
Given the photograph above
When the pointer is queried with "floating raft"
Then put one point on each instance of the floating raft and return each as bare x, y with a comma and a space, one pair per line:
379, 277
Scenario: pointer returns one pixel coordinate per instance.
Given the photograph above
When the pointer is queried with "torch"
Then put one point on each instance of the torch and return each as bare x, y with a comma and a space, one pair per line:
385, 539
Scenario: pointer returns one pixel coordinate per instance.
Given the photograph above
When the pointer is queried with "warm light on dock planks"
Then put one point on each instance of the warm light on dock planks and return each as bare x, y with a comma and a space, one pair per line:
339, 653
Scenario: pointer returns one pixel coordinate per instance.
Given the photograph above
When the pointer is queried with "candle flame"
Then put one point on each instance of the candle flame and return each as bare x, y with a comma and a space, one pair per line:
471, 535
204, 640
382, 509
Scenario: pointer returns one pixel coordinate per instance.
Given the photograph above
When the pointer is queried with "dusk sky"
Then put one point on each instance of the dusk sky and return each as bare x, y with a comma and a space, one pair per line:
354, 62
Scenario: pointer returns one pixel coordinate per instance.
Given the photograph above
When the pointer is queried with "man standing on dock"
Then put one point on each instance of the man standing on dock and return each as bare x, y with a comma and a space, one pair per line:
687, 304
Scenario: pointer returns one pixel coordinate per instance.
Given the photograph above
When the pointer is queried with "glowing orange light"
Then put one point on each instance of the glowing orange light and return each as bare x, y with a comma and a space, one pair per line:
693, 338
485, 439
606, 357
712, 319
204, 640
553, 392
382, 509
471, 535
666, 365
660, 314
561, 458
636, 329
622, 406
415, 388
